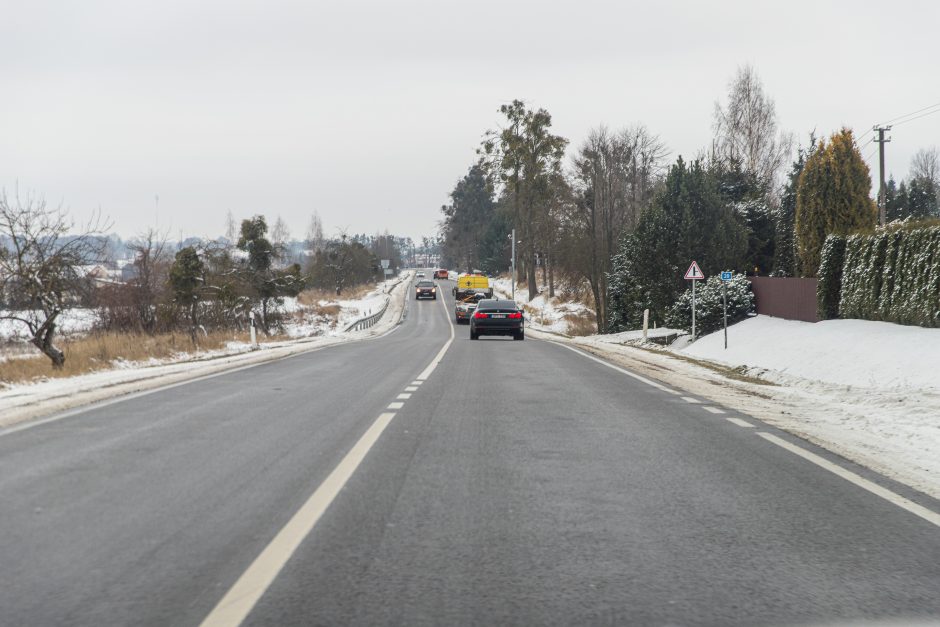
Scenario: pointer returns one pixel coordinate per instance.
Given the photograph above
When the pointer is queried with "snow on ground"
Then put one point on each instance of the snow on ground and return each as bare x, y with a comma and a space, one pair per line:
552, 315
865, 390
70, 322
25, 401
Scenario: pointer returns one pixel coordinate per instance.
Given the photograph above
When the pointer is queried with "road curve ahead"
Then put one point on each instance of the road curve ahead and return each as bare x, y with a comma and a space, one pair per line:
411, 480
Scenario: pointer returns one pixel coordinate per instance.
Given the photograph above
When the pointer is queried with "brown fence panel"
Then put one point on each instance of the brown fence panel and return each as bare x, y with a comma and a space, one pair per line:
792, 299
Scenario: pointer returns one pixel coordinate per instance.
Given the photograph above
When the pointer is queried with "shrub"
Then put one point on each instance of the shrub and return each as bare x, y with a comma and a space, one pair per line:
709, 307
893, 276
829, 289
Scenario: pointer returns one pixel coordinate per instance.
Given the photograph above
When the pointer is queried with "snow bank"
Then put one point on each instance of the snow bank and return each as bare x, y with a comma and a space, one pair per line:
858, 353
543, 313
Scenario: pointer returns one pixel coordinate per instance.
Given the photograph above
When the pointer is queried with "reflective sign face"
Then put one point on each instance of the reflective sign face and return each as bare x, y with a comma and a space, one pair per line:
725, 276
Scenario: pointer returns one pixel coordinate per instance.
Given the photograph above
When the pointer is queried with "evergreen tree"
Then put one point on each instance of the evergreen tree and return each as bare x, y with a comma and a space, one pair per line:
895, 200
467, 219
186, 279
921, 199
832, 197
785, 219
744, 192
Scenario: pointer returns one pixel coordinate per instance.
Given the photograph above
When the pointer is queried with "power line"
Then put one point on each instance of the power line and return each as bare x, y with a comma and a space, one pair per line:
901, 117
923, 115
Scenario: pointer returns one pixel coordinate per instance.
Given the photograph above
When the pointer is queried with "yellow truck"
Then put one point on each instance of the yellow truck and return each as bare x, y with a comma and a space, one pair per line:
469, 284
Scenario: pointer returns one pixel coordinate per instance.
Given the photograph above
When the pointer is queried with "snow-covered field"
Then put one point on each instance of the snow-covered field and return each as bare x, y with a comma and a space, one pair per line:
866, 390
70, 322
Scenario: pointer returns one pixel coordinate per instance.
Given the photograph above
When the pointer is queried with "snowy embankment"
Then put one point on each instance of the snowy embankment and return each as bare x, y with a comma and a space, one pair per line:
551, 315
30, 400
865, 390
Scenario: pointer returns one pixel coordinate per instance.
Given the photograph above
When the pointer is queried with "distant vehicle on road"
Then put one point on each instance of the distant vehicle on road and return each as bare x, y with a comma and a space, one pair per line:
466, 306
497, 317
420, 275
468, 284
441, 274
426, 289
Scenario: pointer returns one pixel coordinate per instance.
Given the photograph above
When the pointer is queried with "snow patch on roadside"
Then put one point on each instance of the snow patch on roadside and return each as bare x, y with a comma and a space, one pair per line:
543, 313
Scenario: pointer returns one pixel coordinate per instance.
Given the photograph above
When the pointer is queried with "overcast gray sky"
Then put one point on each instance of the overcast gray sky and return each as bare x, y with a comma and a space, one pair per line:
369, 112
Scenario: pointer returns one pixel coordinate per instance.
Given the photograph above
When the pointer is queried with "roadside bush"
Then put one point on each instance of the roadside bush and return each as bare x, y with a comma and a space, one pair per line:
893, 276
829, 288
708, 305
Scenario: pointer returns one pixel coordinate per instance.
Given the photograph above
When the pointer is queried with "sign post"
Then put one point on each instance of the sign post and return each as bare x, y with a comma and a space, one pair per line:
725, 279
694, 273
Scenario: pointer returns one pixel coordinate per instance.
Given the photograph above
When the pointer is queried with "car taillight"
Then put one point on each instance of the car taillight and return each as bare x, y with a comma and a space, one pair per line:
515, 316
480, 314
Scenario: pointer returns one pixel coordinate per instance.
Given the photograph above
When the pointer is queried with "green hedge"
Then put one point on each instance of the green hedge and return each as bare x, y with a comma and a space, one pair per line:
709, 305
829, 288
893, 275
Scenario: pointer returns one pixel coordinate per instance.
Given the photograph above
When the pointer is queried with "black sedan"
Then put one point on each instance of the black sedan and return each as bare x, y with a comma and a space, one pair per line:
497, 317
426, 289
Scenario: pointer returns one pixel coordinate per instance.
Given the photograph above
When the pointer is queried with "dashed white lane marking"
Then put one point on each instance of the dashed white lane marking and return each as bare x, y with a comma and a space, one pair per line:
241, 598
417, 382
892, 497
404, 396
411, 388
662, 388
713, 410
739, 422
689, 399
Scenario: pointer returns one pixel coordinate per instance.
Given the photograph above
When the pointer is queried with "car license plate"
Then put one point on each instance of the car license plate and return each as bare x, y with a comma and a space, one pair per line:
498, 316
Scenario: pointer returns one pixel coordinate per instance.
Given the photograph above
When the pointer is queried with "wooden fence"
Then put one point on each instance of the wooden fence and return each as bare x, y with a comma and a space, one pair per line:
788, 298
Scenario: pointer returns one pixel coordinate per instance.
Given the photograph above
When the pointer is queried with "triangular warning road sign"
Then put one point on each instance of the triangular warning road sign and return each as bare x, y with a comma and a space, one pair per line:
694, 272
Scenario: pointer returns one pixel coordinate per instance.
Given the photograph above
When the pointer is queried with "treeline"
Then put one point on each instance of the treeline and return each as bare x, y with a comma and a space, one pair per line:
205, 285
615, 215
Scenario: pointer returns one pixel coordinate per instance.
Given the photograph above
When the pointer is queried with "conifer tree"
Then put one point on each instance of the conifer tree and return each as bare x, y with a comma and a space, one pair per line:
832, 197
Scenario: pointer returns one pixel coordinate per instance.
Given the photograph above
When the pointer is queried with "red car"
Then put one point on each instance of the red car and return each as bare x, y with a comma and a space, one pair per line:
440, 274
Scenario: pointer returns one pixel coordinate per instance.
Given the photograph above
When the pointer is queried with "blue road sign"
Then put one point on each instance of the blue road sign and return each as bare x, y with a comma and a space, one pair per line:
726, 276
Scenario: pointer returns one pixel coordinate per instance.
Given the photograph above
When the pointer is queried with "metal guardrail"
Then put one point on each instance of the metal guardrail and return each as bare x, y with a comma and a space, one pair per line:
368, 321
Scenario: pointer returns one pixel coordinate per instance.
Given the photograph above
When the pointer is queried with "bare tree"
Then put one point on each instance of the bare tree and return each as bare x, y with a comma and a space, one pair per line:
41, 257
613, 177
315, 239
746, 129
925, 165
152, 260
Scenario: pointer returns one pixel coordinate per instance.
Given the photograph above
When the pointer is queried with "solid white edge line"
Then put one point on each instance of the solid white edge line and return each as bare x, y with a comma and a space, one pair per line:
242, 597
617, 368
892, 497
739, 422
437, 359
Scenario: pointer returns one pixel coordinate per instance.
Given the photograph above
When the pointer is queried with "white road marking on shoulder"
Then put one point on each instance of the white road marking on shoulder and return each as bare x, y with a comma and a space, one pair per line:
892, 497
739, 422
241, 598
404, 396
411, 388
396, 405
689, 399
642, 379
713, 410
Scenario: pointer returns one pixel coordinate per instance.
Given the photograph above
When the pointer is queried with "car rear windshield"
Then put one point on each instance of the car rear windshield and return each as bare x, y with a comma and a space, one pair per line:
425, 284
497, 305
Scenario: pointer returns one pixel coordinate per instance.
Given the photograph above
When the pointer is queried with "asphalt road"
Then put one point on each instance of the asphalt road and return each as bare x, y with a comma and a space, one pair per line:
519, 483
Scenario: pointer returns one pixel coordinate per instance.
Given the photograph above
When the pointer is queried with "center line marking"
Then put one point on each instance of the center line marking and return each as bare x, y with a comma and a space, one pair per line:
404, 396
713, 410
241, 598
411, 388
396, 405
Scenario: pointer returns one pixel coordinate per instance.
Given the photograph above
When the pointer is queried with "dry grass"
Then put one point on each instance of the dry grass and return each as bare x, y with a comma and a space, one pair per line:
313, 296
98, 352
581, 324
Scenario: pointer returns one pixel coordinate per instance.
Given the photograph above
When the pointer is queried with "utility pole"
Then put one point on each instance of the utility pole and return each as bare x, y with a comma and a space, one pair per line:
514, 264
882, 189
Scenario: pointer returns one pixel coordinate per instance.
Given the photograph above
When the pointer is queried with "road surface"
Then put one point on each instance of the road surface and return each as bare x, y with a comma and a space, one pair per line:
411, 480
